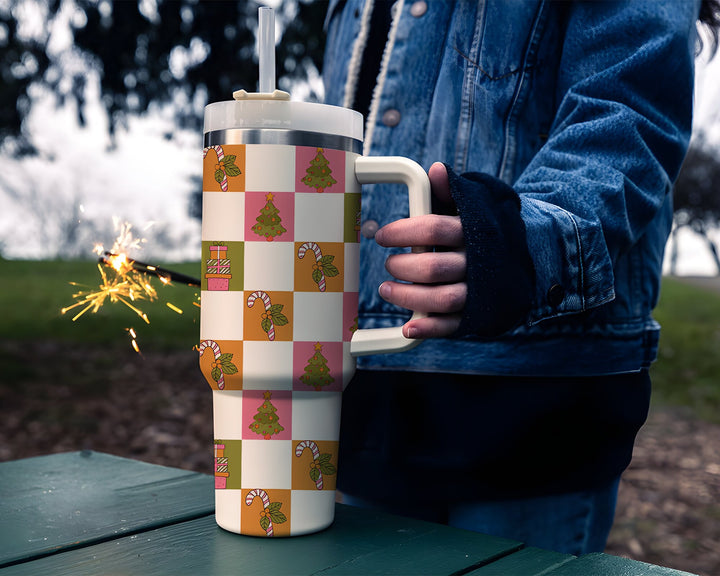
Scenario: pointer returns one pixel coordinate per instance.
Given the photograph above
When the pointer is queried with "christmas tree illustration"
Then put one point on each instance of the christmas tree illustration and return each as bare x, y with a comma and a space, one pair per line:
317, 373
318, 174
266, 422
269, 222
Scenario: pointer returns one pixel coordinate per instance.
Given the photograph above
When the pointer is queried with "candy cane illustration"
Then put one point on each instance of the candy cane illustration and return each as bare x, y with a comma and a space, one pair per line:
318, 257
220, 155
266, 300
316, 455
216, 351
257, 492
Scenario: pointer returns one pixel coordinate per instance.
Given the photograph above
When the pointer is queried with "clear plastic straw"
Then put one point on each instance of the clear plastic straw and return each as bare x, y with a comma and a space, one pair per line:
266, 49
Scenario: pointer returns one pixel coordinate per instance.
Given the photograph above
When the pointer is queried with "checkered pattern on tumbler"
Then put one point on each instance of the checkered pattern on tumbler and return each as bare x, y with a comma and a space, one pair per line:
280, 241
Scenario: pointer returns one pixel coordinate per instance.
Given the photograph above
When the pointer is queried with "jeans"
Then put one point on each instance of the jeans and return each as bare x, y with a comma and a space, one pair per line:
575, 523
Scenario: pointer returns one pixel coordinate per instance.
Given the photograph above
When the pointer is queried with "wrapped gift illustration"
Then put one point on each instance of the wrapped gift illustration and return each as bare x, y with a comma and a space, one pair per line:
221, 467
218, 269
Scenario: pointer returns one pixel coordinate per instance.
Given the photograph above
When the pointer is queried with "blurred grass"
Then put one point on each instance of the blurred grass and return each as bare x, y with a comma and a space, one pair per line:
32, 294
687, 372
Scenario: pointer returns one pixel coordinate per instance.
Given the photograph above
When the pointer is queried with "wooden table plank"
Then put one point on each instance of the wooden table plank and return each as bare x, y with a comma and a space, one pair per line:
50, 503
604, 565
359, 542
442, 550
528, 562
89, 513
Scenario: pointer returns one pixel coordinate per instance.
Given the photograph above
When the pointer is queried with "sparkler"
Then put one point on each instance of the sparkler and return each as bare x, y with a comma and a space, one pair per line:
164, 274
123, 284
125, 280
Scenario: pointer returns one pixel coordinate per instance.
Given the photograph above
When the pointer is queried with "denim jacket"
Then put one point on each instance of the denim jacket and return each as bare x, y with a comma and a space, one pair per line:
584, 109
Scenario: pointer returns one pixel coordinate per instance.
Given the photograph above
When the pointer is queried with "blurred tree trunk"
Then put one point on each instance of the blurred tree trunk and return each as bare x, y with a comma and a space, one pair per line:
696, 197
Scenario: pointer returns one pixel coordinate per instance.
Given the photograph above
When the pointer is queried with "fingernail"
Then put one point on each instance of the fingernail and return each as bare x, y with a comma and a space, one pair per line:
384, 290
410, 332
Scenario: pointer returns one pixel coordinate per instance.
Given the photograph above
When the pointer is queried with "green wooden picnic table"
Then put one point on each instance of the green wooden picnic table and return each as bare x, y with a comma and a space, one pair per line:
90, 513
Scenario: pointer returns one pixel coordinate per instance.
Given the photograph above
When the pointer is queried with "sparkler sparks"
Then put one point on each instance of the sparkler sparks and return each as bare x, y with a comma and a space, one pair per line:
123, 285
133, 341
173, 307
125, 280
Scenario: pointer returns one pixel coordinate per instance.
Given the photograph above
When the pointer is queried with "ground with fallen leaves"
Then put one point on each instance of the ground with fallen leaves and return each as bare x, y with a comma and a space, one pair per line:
157, 408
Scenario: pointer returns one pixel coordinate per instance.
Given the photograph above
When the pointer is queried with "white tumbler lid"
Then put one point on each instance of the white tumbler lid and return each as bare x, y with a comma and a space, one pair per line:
268, 113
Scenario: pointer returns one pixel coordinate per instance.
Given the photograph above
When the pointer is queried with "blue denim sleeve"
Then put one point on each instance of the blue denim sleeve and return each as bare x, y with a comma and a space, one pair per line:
617, 142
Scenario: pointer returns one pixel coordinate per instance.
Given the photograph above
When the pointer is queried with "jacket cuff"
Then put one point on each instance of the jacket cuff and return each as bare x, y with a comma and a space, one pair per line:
500, 272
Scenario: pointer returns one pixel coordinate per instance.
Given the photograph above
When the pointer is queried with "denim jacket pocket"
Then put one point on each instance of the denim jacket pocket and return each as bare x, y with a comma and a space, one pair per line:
508, 43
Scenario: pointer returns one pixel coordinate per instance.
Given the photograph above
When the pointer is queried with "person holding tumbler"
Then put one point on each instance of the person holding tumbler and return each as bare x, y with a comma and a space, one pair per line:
552, 133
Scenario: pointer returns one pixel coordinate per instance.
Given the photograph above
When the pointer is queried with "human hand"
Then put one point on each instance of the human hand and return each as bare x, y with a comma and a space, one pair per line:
439, 287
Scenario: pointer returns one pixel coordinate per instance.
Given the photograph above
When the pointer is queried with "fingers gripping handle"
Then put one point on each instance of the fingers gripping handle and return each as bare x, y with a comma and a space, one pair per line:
394, 170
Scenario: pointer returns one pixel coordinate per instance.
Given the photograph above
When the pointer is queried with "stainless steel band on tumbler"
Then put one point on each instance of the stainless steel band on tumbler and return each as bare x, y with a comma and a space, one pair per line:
282, 137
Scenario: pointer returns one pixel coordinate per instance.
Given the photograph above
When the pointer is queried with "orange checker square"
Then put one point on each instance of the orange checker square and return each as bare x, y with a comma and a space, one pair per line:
265, 512
221, 363
224, 168
314, 465
319, 266
268, 316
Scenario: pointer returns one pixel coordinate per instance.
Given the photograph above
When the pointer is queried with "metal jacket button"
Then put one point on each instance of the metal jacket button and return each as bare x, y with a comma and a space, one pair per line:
391, 117
418, 9
369, 228
555, 295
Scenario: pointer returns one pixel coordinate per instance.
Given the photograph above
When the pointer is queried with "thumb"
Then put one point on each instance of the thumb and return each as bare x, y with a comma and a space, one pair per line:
443, 202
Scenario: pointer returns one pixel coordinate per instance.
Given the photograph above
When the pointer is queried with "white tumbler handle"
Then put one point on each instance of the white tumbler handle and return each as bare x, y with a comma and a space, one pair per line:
394, 170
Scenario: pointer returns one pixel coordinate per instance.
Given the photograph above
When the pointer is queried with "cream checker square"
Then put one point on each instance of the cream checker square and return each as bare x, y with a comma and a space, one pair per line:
316, 415
269, 168
351, 277
227, 414
318, 317
311, 505
221, 315
267, 464
267, 365
269, 266
229, 508
223, 216
319, 217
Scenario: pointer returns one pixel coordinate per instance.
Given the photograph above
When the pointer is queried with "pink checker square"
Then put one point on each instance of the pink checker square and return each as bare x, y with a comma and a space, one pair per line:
320, 170
267, 414
318, 366
269, 216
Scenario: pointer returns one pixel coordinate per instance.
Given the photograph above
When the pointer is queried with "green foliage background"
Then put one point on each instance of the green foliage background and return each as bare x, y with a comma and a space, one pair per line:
687, 372
34, 292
